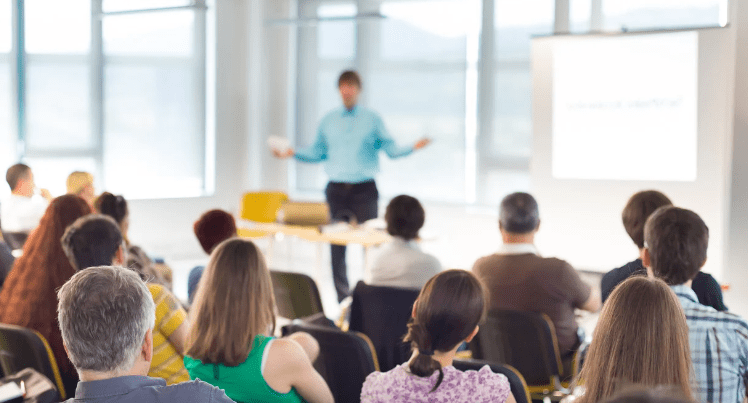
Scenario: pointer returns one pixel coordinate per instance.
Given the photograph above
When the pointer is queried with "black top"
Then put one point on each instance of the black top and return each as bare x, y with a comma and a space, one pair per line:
704, 285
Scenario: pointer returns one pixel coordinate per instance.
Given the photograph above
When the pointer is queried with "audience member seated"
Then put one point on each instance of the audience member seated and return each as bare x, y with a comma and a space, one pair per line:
640, 206
641, 338
96, 240
230, 342
28, 296
212, 228
81, 184
675, 245
137, 259
447, 313
635, 394
518, 278
106, 317
401, 263
22, 210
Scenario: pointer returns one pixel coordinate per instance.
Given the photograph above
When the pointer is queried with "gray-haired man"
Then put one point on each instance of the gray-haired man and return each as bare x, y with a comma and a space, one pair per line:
106, 317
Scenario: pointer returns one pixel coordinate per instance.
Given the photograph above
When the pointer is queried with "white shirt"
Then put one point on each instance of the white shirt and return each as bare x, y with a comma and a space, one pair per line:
402, 264
20, 213
518, 249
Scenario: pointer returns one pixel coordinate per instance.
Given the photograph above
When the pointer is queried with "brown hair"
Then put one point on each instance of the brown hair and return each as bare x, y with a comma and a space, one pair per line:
234, 303
677, 240
15, 173
214, 227
405, 217
639, 207
349, 77
641, 338
448, 309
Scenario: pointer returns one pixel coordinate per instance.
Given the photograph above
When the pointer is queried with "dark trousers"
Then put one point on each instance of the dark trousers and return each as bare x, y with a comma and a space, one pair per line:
348, 202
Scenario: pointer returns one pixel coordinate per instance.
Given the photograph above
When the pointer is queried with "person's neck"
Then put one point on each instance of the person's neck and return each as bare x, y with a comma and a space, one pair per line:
444, 358
350, 108
509, 238
21, 193
88, 376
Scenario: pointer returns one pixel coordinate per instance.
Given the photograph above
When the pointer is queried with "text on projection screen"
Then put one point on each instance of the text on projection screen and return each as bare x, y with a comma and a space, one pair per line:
625, 108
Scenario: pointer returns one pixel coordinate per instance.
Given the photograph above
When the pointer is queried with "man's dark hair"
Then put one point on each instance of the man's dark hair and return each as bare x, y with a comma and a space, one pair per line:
214, 227
404, 216
349, 77
677, 240
519, 213
15, 173
639, 207
91, 241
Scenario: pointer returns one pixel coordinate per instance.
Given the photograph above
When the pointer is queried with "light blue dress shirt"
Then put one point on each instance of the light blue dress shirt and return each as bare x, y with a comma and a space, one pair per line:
719, 350
349, 143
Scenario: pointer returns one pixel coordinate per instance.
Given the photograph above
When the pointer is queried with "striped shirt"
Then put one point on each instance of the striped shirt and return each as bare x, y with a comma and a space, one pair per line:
167, 362
719, 350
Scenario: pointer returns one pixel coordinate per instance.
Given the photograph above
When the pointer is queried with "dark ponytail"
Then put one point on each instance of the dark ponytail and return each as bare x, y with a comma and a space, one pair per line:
424, 363
448, 309
113, 206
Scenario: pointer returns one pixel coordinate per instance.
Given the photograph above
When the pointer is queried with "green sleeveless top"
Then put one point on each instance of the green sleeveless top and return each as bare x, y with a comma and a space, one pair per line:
244, 382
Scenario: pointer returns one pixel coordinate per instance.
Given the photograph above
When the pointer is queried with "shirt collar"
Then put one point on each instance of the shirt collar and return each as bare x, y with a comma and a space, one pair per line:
120, 385
352, 112
682, 291
518, 249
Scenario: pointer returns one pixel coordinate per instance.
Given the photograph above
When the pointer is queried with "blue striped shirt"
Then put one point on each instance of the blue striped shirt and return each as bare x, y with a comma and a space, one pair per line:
719, 350
349, 143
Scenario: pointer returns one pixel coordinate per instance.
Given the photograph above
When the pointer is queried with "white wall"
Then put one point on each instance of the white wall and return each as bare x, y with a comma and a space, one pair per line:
581, 219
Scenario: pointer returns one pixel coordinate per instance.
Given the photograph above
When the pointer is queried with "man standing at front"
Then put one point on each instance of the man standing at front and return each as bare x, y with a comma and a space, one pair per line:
348, 141
518, 279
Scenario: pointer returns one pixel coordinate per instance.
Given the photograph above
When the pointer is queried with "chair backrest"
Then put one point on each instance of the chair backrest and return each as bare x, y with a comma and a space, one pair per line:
25, 348
345, 359
262, 206
524, 340
516, 381
382, 313
296, 295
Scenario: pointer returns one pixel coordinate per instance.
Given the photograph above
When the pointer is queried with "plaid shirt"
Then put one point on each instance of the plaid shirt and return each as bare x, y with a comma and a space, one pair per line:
719, 350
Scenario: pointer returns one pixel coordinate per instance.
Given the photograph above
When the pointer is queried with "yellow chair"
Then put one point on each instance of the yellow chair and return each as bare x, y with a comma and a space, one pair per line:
261, 207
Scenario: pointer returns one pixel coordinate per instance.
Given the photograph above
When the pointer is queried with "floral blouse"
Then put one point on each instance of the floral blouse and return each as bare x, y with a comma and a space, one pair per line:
399, 385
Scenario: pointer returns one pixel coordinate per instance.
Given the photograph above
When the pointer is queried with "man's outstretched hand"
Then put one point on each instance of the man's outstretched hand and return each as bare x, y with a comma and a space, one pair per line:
283, 154
422, 143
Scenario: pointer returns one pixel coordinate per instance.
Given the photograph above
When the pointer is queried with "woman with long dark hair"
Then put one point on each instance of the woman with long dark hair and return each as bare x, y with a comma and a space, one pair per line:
447, 312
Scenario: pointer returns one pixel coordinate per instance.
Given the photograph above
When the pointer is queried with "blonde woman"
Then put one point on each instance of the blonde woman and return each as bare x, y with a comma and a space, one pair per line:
231, 346
640, 339
80, 183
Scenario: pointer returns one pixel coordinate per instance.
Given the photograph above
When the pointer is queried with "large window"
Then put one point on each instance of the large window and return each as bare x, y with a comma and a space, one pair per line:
457, 71
114, 87
7, 122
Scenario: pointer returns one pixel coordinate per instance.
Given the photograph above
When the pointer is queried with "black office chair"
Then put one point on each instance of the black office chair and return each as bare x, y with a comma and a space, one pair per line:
526, 341
516, 381
382, 313
25, 348
296, 295
345, 359
15, 240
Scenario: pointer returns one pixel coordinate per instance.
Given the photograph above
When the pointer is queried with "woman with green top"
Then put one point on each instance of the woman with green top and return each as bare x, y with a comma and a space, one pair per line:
231, 348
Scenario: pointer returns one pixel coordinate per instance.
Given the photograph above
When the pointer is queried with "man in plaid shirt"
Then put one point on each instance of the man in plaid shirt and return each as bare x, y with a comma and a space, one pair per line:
676, 240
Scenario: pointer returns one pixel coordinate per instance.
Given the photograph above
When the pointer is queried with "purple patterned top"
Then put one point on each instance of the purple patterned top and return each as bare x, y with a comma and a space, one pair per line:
399, 385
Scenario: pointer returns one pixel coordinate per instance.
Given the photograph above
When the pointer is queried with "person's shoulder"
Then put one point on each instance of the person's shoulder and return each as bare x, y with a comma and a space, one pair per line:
484, 383
288, 352
487, 261
194, 391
